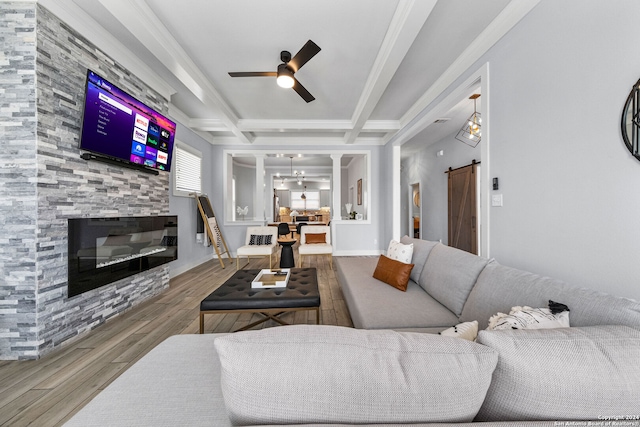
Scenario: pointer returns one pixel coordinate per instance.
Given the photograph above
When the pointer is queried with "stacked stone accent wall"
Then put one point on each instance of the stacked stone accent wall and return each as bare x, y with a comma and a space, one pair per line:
67, 186
17, 178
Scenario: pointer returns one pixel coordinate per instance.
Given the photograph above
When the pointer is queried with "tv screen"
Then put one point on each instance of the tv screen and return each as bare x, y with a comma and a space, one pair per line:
118, 126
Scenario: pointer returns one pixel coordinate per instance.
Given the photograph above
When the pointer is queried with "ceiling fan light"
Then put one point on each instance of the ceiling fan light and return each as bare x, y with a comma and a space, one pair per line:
285, 82
285, 77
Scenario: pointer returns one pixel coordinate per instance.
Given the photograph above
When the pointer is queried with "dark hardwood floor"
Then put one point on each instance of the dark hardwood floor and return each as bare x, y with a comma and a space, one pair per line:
48, 391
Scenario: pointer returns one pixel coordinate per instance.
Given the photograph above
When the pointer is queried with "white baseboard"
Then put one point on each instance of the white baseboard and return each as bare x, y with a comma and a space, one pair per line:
371, 252
173, 272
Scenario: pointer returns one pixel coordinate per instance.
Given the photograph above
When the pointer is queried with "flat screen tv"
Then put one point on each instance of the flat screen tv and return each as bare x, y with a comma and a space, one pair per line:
118, 127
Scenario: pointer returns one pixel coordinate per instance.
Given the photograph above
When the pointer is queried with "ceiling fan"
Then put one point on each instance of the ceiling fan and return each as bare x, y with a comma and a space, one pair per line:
287, 69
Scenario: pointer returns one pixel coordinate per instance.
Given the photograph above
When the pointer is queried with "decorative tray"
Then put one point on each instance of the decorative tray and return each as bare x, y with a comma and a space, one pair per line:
271, 278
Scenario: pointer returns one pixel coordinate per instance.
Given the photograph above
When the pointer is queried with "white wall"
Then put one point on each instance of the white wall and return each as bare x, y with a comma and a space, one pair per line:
558, 82
366, 237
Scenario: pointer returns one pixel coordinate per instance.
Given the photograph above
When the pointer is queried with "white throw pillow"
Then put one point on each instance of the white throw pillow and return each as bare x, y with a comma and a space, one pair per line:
529, 318
400, 252
466, 330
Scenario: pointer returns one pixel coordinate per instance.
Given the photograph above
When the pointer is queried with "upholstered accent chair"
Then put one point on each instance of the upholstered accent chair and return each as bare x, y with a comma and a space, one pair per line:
315, 240
260, 241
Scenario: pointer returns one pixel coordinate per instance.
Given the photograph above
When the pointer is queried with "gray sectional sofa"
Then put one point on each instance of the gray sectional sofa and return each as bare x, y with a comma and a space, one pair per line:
450, 286
385, 373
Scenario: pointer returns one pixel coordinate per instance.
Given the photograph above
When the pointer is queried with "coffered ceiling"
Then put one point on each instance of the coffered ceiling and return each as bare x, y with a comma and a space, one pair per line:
382, 62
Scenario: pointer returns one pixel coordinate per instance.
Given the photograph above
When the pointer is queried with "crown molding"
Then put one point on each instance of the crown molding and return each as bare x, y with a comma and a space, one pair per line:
84, 24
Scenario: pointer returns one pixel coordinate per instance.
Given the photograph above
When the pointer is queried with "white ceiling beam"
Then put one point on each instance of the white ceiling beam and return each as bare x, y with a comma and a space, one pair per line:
143, 23
296, 141
257, 125
407, 21
254, 125
381, 126
208, 125
84, 24
508, 18
179, 116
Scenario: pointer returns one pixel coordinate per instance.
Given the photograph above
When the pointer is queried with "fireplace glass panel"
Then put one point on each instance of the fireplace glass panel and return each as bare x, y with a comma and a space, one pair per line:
105, 250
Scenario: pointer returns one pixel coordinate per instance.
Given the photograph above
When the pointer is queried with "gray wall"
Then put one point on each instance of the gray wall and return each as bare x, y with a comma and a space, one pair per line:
569, 197
192, 253
245, 189
51, 184
556, 92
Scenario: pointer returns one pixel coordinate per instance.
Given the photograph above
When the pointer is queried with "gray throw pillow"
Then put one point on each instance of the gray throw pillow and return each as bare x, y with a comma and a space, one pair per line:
563, 374
328, 374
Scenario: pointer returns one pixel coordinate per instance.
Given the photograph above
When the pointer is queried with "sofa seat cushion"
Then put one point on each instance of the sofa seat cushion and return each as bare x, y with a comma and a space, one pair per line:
499, 288
563, 374
315, 249
449, 275
332, 374
249, 250
175, 384
376, 305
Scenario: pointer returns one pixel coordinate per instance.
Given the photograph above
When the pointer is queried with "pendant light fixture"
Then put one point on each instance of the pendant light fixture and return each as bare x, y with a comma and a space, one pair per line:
470, 133
294, 173
304, 197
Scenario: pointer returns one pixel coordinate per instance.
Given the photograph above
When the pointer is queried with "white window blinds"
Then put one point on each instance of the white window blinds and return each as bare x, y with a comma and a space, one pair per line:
188, 168
312, 200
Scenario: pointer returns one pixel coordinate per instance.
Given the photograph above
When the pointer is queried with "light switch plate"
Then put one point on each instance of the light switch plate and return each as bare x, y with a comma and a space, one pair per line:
496, 200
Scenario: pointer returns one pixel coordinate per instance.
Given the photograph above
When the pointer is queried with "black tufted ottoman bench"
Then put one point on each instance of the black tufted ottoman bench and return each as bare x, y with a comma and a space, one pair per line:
236, 296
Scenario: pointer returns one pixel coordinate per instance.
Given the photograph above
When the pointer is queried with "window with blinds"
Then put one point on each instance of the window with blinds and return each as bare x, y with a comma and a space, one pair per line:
187, 171
311, 202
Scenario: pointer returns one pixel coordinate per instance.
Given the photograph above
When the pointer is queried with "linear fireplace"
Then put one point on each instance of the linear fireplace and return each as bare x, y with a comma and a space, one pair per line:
105, 250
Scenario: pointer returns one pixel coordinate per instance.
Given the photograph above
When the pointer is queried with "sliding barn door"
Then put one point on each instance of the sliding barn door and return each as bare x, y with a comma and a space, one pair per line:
462, 209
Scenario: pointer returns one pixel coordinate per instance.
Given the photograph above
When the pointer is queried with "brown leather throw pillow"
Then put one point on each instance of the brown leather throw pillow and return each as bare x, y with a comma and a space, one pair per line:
315, 238
392, 272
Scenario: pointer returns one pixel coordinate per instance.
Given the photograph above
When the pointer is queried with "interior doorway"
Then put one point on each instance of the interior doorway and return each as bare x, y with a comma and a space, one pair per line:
463, 208
415, 212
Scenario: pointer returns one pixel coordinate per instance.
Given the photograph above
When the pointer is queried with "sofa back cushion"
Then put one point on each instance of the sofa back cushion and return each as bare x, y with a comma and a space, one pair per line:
563, 374
499, 288
449, 274
328, 374
421, 249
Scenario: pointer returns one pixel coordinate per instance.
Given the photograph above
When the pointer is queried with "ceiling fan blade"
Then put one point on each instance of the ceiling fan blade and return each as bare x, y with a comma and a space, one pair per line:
304, 93
308, 51
253, 74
